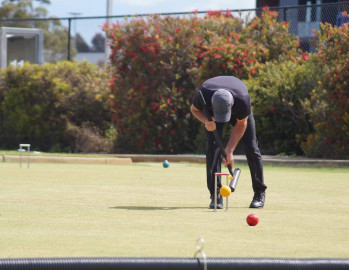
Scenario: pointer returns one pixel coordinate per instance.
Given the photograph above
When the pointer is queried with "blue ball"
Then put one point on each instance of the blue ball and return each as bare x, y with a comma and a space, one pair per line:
165, 164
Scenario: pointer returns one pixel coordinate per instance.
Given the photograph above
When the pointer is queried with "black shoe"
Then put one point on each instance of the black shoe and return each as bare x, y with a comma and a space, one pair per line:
219, 202
258, 200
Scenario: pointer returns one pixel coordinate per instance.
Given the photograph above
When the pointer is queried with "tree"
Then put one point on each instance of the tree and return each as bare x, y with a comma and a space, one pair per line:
98, 42
81, 44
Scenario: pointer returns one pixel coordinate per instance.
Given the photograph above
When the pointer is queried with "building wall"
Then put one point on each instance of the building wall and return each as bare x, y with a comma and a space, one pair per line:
287, 3
269, 3
92, 57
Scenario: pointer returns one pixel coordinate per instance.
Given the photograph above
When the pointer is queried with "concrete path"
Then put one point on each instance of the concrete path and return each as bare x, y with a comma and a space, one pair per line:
59, 159
129, 159
241, 159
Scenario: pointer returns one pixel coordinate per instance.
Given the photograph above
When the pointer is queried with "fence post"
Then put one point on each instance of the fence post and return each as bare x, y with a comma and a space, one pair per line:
285, 15
69, 38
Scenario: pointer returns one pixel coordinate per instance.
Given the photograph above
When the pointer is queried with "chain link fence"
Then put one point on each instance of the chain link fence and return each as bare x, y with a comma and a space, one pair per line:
78, 38
304, 19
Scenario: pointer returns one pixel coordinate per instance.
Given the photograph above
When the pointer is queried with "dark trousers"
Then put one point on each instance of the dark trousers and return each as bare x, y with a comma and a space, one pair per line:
253, 155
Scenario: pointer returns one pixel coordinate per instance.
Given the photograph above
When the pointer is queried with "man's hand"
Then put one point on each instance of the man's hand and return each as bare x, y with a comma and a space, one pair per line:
229, 160
235, 136
210, 125
201, 116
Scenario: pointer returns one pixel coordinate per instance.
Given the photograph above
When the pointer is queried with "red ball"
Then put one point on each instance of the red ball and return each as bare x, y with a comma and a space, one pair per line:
252, 219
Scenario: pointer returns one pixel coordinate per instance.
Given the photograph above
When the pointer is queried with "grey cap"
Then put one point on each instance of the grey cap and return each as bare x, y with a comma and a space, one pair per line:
222, 102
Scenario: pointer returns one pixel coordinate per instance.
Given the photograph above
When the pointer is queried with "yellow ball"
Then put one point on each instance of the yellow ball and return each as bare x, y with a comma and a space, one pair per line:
225, 191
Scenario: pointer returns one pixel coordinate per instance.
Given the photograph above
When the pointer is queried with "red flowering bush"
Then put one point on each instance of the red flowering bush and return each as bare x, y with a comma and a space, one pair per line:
273, 37
151, 86
330, 97
235, 46
158, 63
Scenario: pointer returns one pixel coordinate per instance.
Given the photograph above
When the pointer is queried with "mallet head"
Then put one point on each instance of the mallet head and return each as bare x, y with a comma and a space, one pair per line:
235, 179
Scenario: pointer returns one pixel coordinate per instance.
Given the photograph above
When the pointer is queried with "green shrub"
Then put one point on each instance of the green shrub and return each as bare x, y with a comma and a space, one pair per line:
28, 106
278, 95
87, 139
38, 104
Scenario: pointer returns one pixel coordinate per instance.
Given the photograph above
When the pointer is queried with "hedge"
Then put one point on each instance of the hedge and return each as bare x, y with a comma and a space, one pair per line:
56, 107
141, 105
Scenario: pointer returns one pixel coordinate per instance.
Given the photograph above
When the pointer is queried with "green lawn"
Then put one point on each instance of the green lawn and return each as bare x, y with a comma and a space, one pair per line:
141, 210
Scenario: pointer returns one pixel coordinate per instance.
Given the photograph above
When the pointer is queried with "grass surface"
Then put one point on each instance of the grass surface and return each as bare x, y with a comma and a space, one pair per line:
70, 210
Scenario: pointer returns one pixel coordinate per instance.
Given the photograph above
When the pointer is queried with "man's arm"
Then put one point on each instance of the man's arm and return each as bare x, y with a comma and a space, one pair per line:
201, 116
236, 134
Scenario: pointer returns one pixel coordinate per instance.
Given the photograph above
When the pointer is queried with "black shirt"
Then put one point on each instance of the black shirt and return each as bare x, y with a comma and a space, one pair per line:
242, 104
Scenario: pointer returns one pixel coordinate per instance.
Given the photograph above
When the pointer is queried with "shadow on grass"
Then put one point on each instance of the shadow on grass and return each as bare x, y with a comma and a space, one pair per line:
153, 208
